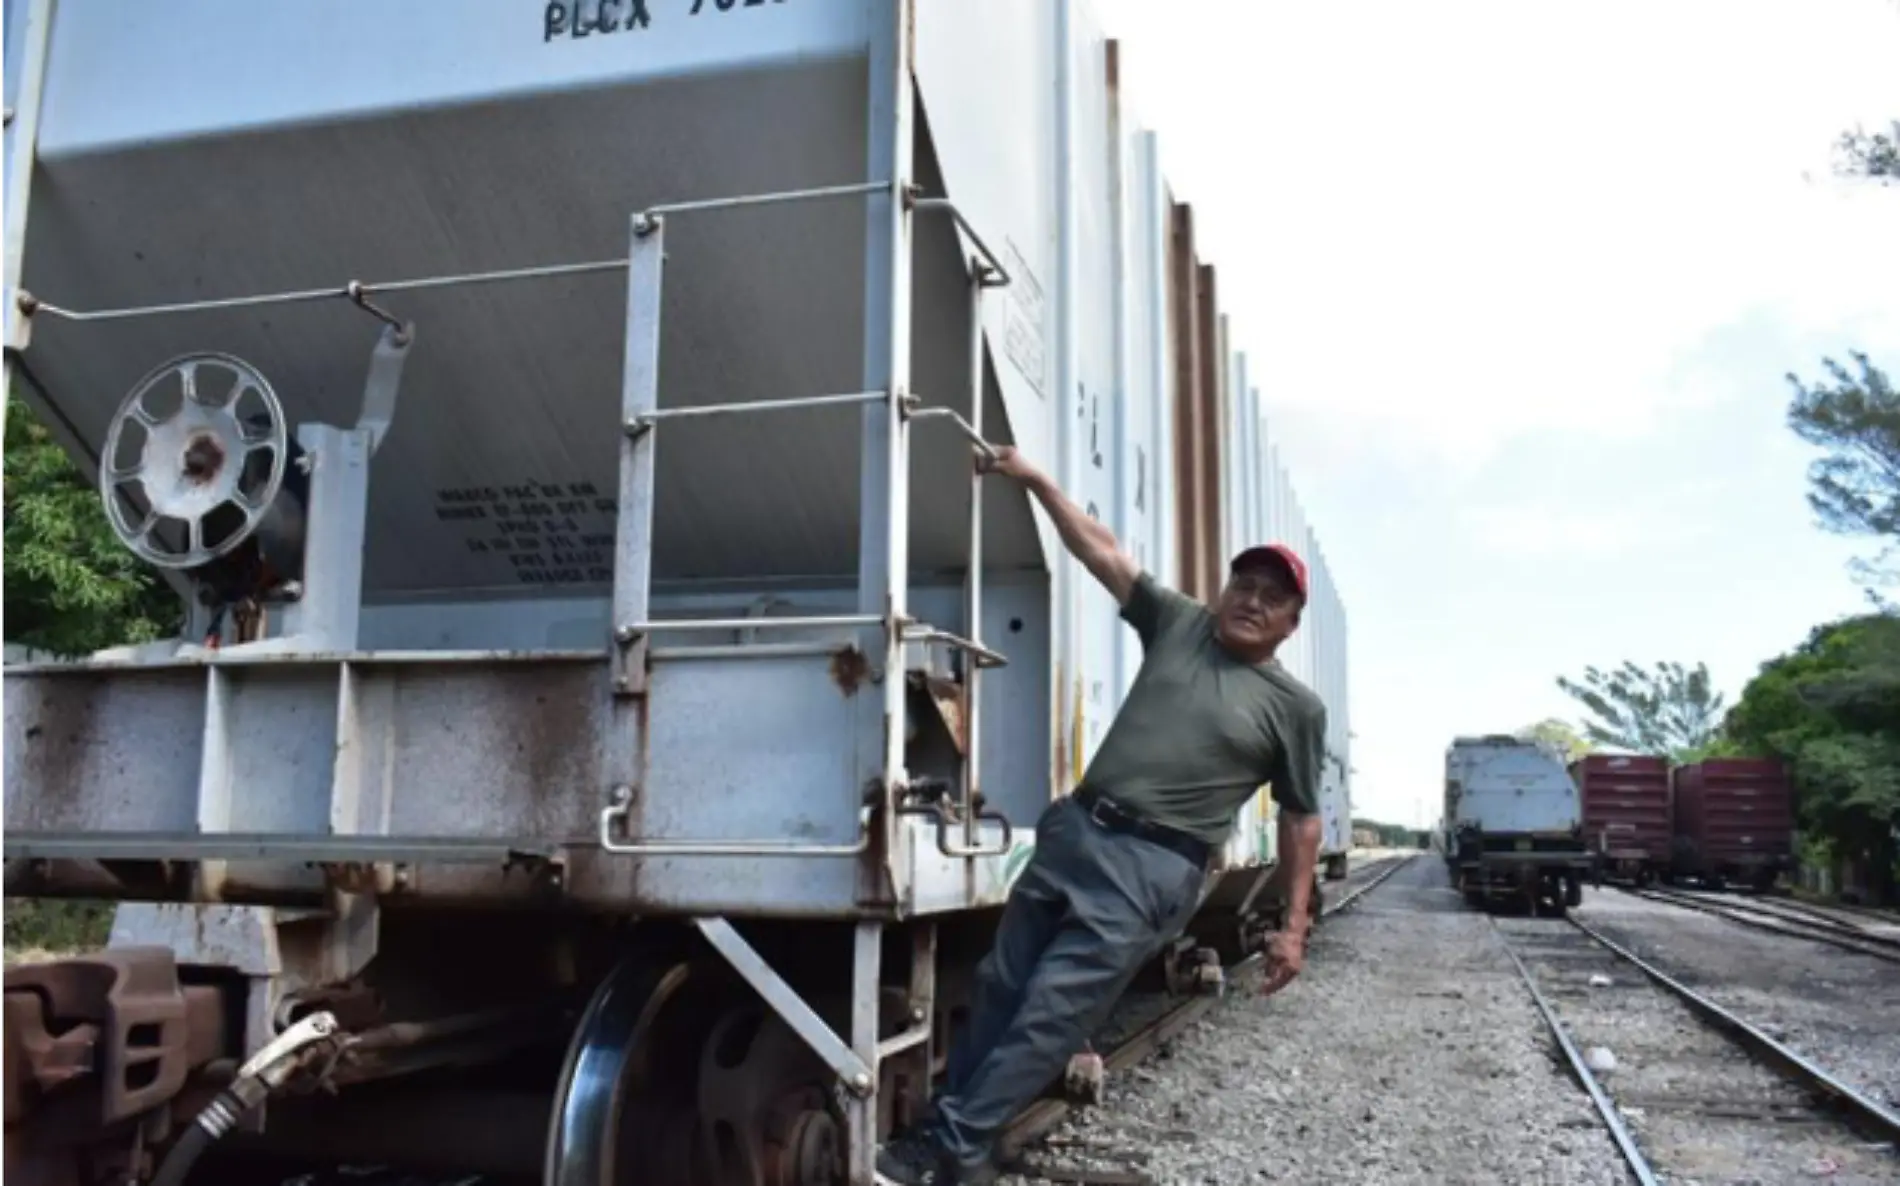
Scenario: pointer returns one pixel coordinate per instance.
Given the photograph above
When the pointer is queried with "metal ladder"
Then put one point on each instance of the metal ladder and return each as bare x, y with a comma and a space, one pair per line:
641, 417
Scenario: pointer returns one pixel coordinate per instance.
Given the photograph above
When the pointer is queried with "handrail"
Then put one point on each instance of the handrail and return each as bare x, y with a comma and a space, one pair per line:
983, 655
915, 409
990, 258
760, 405
814, 622
358, 291
621, 807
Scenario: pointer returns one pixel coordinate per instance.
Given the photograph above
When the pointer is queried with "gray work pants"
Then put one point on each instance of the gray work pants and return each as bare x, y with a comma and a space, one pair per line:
1091, 907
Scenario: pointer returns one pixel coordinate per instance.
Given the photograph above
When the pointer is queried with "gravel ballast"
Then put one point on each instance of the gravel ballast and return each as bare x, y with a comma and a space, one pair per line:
1699, 1107
1408, 1051
1839, 1009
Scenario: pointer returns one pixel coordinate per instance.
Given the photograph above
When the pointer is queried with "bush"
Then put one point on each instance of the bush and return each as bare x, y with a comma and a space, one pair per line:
56, 926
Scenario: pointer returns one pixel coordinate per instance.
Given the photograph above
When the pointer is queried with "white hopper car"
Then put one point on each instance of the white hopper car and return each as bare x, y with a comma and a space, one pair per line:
592, 732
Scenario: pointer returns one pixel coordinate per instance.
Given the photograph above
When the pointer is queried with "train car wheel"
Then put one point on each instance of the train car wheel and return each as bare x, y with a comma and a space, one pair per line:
605, 1117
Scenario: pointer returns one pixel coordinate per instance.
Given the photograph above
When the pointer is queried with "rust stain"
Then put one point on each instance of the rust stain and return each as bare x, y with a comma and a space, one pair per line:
849, 669
556, 751
948, 699
1075, 741
1061, 738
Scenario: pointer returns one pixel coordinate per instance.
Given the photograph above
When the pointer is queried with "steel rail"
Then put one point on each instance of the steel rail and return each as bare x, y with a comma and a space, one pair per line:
1875, 915
1884, 915
1870, 1113
1836, 934
1040, 1117
1625, 1143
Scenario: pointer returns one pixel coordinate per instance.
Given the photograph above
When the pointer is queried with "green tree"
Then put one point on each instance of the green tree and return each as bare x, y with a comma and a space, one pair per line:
1390, 835
1669, 711
1830, 709
1871, 155
1560, 734
1854, 488
71, 586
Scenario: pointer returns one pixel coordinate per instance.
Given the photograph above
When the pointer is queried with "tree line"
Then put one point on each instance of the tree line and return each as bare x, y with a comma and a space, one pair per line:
1392, 835
1829, 708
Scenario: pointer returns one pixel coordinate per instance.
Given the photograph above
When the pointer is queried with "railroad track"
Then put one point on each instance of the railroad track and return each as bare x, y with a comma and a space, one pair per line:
1041, 1117
1814, 926
1709, 1100
1845, 911
1863, 919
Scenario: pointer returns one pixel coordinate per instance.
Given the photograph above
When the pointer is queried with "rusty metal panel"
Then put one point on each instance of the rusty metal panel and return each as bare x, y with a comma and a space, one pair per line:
282, 745
1626, 805
1206, 474
747, 747
436, 747
1185, 348
508, 750
109, 749
1733, 813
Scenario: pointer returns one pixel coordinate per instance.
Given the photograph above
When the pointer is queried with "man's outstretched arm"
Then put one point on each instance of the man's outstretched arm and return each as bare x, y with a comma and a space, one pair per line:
1089, 541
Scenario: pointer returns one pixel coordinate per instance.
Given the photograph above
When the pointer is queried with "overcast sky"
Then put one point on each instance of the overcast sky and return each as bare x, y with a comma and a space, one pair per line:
1520, 283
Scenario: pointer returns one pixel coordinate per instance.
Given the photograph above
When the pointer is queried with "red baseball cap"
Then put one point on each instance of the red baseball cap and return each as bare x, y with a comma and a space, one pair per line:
1280, 552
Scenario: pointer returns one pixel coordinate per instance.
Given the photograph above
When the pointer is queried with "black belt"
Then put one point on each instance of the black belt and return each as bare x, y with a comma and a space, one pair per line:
1106, 813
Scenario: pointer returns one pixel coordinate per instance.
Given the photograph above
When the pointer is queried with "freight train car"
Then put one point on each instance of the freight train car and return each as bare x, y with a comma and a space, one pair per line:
1514, 827
1734, 821
610, 712
1626, 815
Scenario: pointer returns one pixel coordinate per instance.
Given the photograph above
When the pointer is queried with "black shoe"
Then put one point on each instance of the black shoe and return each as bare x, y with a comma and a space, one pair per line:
916, 1162
923, 1162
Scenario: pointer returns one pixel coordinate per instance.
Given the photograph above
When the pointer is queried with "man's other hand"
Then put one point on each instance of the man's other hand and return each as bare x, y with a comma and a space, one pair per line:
1286, 955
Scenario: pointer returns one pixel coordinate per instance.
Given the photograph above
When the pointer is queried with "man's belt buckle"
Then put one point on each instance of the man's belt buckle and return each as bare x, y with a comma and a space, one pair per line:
1101, 810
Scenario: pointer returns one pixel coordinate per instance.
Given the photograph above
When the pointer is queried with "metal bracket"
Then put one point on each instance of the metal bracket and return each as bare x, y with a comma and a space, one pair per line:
385, 379
630, 655
946, 817
325, 614
786, 1002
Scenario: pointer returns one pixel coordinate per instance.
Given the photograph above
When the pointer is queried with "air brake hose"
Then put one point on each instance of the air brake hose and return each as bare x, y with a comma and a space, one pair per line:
264, 1073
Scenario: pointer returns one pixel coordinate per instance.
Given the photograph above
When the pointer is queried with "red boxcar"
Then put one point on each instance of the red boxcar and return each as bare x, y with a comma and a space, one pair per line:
1626, 819
1734, 821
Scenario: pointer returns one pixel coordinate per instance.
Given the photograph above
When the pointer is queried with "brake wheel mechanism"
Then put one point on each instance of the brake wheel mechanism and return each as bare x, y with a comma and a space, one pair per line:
194, 461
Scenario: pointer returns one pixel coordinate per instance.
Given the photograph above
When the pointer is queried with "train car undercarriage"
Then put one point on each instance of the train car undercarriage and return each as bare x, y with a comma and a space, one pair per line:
707, 1051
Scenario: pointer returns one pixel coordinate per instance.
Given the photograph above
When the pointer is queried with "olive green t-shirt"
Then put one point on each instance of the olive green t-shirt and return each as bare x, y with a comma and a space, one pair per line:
1202, 731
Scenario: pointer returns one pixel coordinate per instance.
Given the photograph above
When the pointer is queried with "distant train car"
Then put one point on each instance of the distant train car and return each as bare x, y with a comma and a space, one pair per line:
1626, 815
1514, 824
1734, 821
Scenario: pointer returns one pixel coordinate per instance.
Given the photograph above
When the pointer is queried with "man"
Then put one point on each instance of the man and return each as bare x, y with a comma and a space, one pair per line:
1119, 865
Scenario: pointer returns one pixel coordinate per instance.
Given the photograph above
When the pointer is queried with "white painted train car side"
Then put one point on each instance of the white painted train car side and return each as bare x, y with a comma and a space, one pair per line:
1162, 434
